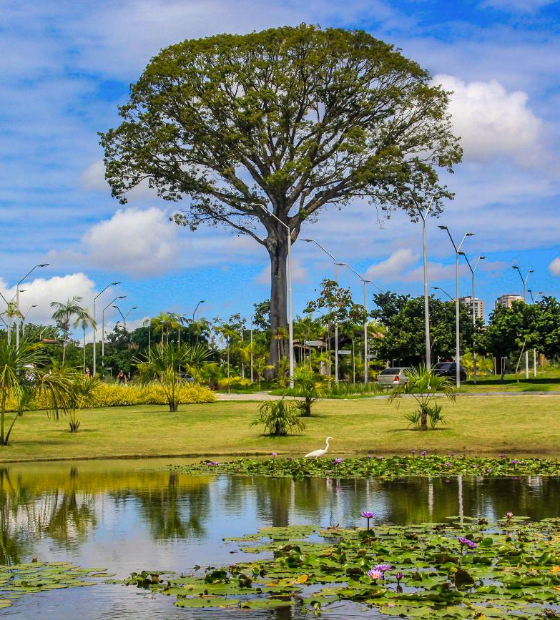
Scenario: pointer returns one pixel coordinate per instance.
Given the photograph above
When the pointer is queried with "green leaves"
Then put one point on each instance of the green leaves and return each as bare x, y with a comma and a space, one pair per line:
34, 577
512, 571
390, 467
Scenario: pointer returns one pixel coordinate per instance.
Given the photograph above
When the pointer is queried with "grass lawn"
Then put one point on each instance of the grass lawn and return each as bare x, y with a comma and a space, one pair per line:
523, 424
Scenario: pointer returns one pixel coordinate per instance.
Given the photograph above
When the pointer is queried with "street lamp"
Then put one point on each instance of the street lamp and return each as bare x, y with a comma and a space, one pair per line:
291, 301
25, 318
473, 271
365, 283
335, 318
17, 296
95, 325
539, 294
103, 327
125, 316
524, 280
424, 213
457, 335
194, 311
438, 288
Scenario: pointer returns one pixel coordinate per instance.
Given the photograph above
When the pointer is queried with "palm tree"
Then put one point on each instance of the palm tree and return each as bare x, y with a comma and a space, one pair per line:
24, 371
164, 364
11, 312
63, 316
423, 384
84, 321
199, 328
163, 323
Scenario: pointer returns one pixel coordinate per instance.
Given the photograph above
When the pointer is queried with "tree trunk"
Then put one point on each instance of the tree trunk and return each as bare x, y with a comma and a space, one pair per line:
424, 419
278, 252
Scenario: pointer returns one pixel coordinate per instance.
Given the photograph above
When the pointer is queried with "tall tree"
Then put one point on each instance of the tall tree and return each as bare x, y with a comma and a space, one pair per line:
269, 128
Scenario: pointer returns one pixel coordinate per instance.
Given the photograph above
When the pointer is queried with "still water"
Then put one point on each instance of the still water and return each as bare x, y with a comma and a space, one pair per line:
127, 516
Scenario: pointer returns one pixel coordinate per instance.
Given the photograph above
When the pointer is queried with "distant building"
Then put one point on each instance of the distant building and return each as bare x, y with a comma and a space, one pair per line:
478, 306
507, 300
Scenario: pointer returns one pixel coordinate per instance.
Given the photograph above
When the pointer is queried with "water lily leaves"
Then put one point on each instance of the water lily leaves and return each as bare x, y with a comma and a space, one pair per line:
510, 570
390, 467
212, 601
34, 577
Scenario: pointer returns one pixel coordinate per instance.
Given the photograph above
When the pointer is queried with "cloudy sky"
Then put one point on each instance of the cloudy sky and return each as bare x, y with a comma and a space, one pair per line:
66, 66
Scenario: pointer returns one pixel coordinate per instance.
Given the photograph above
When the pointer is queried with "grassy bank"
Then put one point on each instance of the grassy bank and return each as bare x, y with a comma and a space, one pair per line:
528, 424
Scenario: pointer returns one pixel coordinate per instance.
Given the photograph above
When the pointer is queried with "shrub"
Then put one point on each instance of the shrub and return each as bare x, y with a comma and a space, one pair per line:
114, 395
279, 417
309, 386
423, 385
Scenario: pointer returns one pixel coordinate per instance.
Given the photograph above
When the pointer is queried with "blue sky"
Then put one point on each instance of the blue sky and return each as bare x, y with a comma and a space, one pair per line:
66, 66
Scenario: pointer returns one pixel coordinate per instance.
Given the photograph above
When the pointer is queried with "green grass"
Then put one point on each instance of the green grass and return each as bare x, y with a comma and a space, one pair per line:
485, 425
545, 382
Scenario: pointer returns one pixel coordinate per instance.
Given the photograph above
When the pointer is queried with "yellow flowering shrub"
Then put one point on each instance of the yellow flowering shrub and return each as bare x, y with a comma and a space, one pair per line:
115, 395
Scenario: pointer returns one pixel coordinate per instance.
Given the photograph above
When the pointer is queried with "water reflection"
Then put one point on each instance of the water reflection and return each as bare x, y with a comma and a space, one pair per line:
127, 517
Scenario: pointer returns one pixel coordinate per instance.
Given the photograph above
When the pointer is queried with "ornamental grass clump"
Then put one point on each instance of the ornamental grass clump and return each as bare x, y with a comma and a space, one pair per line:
424, 385
279, 418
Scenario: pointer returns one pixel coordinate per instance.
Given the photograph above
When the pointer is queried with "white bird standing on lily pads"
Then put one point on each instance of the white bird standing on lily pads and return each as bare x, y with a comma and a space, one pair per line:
317, 453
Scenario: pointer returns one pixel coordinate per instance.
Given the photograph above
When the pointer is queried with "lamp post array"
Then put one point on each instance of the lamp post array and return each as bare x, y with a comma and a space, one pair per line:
103, 327
366, 349
18, 291
335, 263
95, 324
473, 305
438, 288
457, 249
125, 316
524, 280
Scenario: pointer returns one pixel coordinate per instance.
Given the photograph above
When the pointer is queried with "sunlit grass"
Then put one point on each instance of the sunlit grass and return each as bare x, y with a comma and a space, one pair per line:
527, 423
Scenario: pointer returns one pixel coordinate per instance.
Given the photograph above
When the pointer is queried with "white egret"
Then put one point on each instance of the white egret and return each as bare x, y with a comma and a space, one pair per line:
317, 453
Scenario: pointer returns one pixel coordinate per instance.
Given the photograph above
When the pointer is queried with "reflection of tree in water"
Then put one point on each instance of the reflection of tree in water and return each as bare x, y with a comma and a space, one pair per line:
174, 511
13, 543
65, 515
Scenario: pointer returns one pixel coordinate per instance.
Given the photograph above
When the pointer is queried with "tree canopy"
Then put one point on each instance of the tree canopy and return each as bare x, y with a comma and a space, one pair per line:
282, 122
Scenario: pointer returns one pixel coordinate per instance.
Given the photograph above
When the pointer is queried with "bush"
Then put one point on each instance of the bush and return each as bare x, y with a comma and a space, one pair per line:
308, 386
114, 395
234, 383
279, 417
423, 385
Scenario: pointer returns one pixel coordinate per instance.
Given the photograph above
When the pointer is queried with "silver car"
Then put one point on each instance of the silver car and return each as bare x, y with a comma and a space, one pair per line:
391, 377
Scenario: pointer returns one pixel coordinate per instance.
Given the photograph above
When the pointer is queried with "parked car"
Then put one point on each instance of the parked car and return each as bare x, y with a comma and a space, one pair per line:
390, 377
448, 369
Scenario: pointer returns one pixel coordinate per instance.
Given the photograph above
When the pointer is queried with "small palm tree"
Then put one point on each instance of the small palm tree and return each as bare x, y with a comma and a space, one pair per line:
82, 394
165, 363
63, 314
24, 373
423, 385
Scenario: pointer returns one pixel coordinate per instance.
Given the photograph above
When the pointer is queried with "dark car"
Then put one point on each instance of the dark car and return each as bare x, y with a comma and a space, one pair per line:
448, 369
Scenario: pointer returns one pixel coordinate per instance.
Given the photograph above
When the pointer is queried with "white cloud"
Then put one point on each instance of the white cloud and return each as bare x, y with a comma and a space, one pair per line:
394, 267
137, 242
493, 122
41, 292
554, 267
93, 177
402, 266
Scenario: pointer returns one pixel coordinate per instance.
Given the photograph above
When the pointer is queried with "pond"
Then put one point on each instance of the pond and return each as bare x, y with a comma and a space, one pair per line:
132, 515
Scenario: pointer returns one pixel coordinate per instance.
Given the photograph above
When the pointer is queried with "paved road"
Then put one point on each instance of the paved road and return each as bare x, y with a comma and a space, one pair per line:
260, 396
